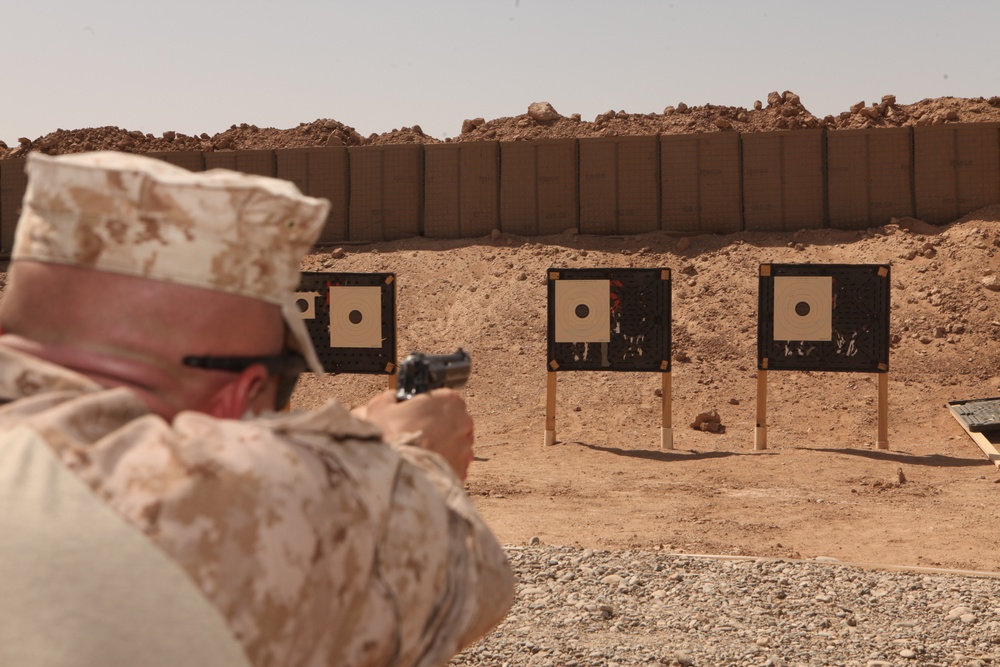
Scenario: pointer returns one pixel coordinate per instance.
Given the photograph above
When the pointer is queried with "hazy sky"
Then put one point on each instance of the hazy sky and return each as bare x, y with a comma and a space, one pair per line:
202, 66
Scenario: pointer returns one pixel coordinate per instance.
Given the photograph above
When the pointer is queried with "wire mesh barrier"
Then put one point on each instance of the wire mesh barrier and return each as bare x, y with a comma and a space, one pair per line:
716, 182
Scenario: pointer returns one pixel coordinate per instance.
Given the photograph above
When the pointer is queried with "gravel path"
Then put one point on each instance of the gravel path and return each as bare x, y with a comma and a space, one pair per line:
585, 608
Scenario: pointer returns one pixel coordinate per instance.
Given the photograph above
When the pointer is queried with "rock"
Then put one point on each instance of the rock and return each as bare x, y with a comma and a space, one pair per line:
708, 421
683, 659
681, 107
496, 234
723, 124
683, 244
337, 253
543, 112
991, 282
757, 105
774, 99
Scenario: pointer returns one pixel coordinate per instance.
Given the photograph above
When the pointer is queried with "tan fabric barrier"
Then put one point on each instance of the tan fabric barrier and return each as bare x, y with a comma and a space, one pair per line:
869, 176
619, 185
190, 160
700, 183
461, 189
13, 183
956, 169
249, 162
538, 186
783, 187
319, 172
386, 192
718, 182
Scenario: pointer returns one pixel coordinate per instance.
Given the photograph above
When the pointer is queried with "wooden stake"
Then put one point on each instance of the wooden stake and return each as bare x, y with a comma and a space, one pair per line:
392, 382
666, 429
760, 434
882, 442
550, 409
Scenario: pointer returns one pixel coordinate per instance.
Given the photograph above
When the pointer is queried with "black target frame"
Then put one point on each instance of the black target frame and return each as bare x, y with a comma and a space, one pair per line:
859, 314
640, 336
314, 298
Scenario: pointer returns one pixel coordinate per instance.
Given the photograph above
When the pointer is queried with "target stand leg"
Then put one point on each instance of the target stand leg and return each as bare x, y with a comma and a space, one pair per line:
882, 442
550, 409
760, 434
666, 429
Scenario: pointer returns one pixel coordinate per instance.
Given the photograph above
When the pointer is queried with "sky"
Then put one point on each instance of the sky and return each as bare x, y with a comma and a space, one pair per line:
377, 65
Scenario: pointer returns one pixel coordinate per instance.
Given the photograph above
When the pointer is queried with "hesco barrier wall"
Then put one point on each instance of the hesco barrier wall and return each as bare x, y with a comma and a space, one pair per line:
720, 182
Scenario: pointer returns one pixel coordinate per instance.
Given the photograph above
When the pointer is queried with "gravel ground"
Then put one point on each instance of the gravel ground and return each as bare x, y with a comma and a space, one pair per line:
584, 608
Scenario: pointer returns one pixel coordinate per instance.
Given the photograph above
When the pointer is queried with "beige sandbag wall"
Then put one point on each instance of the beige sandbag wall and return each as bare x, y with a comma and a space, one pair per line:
719, 182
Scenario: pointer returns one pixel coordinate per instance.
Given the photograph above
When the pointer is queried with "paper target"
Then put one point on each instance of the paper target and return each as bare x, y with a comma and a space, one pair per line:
355, 316
803, 308
351, 319
583, 311
306, 303
823, 317
613, 319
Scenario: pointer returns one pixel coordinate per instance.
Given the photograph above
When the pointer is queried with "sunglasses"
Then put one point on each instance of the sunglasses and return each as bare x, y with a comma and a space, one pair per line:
287, 367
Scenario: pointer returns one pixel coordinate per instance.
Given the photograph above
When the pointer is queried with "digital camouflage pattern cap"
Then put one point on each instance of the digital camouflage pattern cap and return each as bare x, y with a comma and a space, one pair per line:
140, 216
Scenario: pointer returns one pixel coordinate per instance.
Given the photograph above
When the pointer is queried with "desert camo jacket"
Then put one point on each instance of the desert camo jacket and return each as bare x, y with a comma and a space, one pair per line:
318, 543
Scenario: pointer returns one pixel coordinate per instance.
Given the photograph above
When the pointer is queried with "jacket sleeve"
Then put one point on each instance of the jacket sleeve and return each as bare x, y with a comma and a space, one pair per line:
441, 561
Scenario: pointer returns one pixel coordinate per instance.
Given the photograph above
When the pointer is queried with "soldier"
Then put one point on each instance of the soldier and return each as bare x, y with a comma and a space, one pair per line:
156, 506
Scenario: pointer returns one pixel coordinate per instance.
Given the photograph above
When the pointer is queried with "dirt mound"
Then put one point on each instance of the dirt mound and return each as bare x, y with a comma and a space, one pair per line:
322, 132
780, 111
886, 113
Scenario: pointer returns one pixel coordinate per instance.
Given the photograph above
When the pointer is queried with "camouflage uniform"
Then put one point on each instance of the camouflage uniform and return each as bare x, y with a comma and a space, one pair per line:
303, 537
317, 543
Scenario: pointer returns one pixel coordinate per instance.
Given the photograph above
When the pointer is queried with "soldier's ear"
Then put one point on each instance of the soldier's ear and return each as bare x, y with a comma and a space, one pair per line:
248, 391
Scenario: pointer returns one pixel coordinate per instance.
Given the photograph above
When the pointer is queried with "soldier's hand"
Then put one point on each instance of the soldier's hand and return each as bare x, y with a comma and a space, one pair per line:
437, 421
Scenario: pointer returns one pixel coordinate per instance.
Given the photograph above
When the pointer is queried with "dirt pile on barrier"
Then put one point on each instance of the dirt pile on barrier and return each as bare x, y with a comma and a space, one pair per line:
779, 111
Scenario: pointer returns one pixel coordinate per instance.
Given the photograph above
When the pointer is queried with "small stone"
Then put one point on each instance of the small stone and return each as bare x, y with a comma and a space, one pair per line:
337, 253
496, 234
992, 282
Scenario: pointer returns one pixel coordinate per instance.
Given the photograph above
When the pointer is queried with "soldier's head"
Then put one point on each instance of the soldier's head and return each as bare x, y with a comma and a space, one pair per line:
177, 284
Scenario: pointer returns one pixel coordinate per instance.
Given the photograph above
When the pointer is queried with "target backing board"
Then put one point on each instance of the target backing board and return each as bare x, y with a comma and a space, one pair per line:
609, 320
823, 317
351, 319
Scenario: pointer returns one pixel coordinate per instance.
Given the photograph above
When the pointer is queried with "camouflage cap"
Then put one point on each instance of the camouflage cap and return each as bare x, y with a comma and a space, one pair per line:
220, 230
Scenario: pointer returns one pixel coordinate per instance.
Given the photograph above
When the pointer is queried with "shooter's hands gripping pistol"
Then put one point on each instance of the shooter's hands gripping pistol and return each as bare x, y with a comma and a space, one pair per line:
419, 373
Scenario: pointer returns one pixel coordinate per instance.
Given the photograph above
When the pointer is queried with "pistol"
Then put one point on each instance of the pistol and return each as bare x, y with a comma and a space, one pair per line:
419, 373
